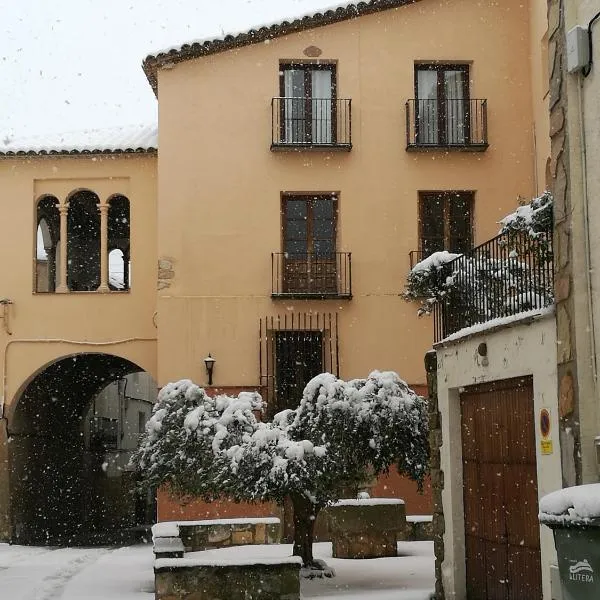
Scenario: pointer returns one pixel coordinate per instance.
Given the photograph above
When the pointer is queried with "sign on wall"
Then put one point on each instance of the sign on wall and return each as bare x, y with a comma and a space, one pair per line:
546, 445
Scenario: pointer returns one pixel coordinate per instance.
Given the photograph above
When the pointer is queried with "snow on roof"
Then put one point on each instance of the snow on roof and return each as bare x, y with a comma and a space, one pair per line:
571, 505
113, 140
264, 33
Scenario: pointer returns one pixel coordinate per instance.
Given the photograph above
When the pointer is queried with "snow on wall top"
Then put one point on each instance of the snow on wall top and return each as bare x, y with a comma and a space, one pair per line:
576, 504
113, 140
262, 33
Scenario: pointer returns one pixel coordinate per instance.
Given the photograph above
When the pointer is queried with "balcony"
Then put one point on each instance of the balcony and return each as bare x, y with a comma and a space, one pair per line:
501, 278
311, 124
311, 275
446, 125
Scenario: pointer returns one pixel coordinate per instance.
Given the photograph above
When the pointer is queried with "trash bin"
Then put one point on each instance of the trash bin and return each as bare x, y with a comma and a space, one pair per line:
570, 513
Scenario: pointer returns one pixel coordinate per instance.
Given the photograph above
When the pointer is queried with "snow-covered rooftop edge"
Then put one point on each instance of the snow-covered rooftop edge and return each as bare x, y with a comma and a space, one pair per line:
264, 32
112, 140
339, 7
536, 313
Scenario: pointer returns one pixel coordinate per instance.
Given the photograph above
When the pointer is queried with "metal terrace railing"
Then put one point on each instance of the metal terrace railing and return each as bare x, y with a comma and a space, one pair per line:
505, 276
311, 275
447, 124
311, 123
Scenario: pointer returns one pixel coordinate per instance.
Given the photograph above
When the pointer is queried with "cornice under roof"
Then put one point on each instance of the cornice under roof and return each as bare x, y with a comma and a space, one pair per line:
200, 48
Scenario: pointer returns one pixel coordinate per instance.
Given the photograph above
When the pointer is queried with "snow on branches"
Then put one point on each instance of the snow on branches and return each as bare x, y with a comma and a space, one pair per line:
213, 447
340, 434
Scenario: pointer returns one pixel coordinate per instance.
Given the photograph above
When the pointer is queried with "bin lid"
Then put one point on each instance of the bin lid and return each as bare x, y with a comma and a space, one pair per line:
577, 506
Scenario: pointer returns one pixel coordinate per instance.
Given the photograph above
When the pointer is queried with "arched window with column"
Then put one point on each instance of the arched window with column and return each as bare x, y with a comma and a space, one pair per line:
47, 247
83, 242
119, 258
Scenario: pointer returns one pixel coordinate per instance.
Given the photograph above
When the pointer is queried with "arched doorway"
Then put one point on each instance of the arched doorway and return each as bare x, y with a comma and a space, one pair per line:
73, 429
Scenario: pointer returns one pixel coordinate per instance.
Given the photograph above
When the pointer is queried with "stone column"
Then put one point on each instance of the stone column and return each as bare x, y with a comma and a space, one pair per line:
51, 257
63, 209
103, 208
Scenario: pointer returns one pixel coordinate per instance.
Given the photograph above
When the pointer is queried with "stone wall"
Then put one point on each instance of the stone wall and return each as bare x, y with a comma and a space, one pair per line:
560, 184
438, 526
198, 535
278, 581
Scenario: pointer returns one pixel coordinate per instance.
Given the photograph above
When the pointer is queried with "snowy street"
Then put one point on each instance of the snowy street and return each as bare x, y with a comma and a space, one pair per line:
34, 573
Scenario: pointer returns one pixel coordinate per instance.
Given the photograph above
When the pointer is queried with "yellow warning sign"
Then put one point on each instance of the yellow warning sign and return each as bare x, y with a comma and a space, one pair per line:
546, 446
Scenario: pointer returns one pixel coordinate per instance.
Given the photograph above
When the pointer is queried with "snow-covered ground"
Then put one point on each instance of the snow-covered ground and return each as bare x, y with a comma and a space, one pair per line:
29, 573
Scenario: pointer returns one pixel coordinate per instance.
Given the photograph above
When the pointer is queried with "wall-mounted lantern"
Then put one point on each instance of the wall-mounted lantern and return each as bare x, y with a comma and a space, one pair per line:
209, 362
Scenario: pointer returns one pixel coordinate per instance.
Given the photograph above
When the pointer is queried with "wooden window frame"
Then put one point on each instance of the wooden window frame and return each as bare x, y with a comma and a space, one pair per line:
446, 195
309, 198
440, 68
308, 67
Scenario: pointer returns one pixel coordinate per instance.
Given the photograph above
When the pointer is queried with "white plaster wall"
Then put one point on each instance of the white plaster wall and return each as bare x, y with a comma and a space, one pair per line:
521, 349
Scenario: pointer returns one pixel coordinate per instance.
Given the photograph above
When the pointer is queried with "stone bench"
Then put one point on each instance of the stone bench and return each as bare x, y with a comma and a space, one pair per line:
367, 528
207, 578
220, 533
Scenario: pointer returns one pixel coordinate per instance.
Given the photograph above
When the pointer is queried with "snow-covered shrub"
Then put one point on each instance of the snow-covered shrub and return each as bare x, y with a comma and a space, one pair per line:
534, 218
216, 447
427, 281
507, 275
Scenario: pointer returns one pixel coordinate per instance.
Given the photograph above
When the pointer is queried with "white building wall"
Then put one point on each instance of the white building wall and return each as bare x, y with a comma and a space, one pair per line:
524, 348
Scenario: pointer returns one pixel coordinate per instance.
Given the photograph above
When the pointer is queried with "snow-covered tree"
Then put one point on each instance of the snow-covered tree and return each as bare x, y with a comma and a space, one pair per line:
341, 433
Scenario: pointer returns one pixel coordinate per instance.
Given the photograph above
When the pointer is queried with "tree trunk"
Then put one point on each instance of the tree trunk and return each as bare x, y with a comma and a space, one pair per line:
305, 515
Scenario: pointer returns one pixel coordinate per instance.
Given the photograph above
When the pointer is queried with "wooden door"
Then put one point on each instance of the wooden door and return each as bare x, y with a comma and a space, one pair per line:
500, 491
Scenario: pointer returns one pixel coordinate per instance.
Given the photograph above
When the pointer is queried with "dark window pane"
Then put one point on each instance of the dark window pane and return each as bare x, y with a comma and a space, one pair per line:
295, 209
324, 247
296, 247
323, 208
432, 223
460, 225
323, 229
296, 230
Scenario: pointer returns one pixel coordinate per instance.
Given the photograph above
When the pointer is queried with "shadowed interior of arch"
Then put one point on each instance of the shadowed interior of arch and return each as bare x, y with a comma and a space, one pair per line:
68, 478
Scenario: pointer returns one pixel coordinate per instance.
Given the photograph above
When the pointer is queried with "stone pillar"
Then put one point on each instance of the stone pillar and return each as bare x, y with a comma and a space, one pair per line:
103, 208
63, 209
563, 246
437, 475
51, 257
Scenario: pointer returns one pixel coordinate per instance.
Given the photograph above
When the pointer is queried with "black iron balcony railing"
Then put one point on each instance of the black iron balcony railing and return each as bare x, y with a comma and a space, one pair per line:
311, 275
311, 123
447, 124
503, 277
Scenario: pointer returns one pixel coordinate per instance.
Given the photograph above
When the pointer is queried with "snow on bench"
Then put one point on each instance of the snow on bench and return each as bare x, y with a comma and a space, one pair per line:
218, 533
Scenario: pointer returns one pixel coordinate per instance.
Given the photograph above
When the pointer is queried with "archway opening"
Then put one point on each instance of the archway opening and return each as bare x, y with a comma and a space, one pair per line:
70, 439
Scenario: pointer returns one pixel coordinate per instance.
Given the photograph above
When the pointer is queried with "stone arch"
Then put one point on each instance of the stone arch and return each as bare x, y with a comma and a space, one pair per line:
83, 241
47, 236
67, 485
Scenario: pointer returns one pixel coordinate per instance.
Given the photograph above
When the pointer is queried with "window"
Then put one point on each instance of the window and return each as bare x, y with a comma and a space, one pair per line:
309, 244
308, 92
445, 222
47, 245
442, 104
